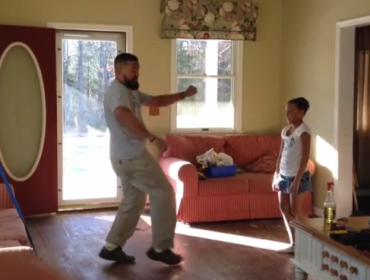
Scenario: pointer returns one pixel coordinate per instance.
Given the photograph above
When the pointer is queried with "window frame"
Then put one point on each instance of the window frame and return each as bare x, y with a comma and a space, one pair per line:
237, 93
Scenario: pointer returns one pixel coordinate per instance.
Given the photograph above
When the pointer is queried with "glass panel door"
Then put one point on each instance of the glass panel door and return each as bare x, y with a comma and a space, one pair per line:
87, 68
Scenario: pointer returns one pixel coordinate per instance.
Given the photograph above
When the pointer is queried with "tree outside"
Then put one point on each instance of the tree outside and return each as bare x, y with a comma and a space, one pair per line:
191, 68
87, 72
88, 69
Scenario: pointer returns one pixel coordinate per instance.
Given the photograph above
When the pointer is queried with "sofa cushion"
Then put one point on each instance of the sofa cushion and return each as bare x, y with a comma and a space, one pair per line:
13, 229
188, 147
264, 164
5, 200
259, 182
224, 186
24, 264
244, 149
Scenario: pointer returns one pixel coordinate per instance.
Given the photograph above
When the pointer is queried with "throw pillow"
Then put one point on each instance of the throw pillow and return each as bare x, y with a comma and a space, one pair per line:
264, 164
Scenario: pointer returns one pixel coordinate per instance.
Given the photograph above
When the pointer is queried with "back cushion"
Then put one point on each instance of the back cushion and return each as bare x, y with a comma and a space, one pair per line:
245, 149
188, 147
264, 164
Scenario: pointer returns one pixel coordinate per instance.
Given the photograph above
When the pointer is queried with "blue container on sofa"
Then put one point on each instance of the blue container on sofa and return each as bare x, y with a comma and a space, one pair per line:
220, 171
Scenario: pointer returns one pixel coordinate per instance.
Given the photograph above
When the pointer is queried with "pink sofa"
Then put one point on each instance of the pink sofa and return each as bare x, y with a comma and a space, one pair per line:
248, 195
17, 259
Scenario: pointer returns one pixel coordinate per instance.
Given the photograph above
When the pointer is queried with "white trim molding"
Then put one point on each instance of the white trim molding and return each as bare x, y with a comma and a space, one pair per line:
127, 29
43, 113
343, 111
42, 215
237, 91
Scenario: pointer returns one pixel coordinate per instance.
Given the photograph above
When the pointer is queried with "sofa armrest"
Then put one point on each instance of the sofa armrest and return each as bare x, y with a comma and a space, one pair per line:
22, 263
5, 200
183, 173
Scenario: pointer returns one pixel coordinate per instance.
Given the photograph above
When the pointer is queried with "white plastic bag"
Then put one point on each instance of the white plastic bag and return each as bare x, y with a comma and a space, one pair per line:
211, 158
224, 159
208, 158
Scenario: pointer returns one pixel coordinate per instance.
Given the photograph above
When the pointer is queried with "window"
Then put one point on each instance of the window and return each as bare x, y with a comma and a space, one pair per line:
215, 68
85, 71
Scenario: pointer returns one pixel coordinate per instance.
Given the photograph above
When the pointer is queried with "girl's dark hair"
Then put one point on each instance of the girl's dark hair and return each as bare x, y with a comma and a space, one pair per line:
301, 103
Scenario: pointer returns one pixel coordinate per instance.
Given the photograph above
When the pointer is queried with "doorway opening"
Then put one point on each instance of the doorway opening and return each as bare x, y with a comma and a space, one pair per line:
85, 70
344, 111
361, 127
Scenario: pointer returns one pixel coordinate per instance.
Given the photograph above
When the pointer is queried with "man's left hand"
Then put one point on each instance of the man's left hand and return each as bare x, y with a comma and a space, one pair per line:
190, 91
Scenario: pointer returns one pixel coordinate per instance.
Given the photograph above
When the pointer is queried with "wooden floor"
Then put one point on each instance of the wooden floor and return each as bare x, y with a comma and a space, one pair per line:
70, 242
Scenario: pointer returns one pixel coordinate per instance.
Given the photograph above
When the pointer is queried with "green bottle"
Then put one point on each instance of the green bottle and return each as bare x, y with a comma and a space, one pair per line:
329, 205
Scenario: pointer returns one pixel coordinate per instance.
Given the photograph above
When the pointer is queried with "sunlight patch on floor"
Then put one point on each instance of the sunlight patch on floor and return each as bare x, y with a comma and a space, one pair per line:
218, 236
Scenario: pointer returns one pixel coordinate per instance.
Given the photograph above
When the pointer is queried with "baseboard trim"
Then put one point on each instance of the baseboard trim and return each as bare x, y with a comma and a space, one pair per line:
318, 212
87, 207
41, 215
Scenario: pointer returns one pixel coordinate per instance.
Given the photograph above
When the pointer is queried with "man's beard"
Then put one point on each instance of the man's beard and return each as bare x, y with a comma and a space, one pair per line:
133, 85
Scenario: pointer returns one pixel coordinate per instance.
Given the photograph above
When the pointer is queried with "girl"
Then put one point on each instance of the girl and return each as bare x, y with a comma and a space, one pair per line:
292, 178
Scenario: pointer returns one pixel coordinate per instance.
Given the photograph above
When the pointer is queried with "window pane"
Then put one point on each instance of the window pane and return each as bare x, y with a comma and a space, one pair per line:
204, 57
212, 107
87, 71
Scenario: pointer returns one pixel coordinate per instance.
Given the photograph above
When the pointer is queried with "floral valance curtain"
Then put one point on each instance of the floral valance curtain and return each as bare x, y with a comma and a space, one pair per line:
209, 19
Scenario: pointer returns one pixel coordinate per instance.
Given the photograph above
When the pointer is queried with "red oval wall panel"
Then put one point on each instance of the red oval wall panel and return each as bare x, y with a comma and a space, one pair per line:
37, 193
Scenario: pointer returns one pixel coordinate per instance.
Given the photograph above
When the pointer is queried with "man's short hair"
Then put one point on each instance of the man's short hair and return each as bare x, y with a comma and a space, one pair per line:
123, 58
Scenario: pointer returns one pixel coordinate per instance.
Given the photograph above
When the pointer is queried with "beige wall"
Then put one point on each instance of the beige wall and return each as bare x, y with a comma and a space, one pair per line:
261, 58
308, 61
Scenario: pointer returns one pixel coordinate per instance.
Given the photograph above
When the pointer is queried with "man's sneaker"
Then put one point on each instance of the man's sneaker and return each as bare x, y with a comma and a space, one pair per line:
167, 256
116, 255
289, 250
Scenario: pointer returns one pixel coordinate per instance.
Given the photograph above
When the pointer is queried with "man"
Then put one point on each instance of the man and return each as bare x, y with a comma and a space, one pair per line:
138, 170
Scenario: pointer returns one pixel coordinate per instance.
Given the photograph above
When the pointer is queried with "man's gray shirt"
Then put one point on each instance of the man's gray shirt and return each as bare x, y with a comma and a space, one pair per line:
123, 144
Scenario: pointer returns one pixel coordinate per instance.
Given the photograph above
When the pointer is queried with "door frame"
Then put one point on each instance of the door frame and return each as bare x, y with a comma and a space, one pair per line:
343, 111
58, 26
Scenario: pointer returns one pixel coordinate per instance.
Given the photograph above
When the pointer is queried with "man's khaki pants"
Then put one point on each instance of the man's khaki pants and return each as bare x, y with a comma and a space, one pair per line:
141, 176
